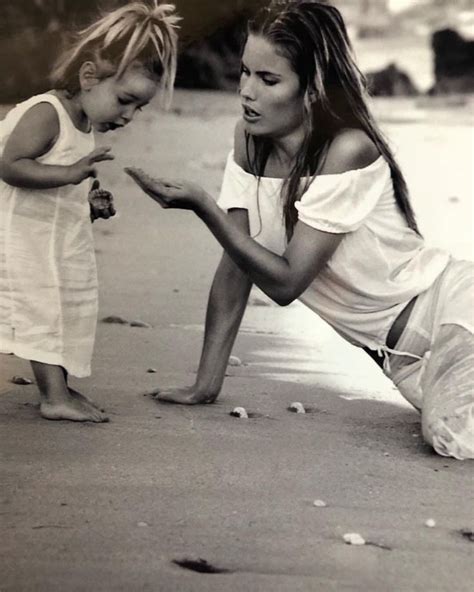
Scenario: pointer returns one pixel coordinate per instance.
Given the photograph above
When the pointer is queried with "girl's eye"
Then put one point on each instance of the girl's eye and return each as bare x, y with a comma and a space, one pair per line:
243, 70
123, 101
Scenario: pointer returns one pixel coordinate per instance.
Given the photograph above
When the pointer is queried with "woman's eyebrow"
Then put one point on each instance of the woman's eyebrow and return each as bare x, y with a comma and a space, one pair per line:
261, 72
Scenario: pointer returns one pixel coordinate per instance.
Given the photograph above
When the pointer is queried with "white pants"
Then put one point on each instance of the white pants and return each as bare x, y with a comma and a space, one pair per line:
438, 376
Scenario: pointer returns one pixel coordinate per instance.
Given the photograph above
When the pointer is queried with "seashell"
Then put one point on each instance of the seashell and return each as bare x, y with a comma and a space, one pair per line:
141, 324
319, 503
430, 523
239, 412
353, 538
297, 408
234, 361
21, 380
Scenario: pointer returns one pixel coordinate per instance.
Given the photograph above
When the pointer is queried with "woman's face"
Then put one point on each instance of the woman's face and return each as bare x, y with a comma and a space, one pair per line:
270, 92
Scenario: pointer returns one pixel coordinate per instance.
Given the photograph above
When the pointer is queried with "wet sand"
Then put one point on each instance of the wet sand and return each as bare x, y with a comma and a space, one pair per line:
110, 507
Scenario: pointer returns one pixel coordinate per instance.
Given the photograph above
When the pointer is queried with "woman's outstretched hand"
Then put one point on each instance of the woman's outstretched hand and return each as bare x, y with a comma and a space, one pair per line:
170, 193
188, 395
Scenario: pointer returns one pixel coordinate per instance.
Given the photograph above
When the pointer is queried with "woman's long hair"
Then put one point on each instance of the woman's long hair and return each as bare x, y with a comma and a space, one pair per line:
313, 37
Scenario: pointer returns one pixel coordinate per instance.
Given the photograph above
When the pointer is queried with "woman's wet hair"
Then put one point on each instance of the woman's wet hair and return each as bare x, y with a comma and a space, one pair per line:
313, 37
138, 33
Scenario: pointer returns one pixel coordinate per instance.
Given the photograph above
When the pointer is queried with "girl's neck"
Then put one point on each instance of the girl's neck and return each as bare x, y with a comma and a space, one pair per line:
72, 104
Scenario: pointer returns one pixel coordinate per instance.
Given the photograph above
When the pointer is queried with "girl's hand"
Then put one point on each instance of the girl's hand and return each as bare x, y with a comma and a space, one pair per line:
170, 194
101, 202
188, 395
84, 168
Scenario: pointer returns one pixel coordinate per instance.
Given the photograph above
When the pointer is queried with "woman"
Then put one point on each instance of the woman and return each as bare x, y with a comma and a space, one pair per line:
318, 209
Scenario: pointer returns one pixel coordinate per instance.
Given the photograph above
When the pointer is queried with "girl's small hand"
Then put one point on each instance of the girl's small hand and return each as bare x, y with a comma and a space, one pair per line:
168, 193
188, 395
84, 168
101, 202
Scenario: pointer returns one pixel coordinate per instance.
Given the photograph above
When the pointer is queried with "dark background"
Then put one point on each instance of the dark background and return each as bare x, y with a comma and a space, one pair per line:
32, 32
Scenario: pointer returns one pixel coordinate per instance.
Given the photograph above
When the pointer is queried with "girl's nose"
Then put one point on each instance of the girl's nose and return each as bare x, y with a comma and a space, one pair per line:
128, 113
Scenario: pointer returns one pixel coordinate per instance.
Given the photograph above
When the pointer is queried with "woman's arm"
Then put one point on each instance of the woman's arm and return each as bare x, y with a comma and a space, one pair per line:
283, 278
34, 135
226, 306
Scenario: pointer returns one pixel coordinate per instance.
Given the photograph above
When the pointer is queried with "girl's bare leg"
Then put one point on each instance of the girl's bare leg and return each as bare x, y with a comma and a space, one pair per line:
57, 402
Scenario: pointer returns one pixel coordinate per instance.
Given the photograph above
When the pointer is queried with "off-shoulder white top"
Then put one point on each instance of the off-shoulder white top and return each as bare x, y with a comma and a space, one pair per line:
378, 267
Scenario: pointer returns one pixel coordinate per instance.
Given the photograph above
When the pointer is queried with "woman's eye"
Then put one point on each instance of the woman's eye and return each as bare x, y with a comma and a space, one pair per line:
123, 101
269, 81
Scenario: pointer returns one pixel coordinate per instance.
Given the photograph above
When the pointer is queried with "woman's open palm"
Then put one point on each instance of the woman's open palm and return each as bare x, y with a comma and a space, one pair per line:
168, 193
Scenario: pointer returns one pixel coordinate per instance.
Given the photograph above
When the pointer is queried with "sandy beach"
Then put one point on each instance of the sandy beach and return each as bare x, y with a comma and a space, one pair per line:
113, 506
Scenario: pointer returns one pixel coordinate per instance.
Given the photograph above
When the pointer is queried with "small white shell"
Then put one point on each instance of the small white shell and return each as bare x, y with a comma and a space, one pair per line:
234, 361
239, 412
353, 538
430, 523
297, 408
319, 503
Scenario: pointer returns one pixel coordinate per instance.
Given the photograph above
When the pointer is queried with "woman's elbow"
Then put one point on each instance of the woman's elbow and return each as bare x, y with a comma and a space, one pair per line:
285, 296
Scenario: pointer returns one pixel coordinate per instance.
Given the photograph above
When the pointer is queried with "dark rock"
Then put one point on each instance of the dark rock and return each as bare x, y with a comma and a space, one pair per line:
453, 63
390, 82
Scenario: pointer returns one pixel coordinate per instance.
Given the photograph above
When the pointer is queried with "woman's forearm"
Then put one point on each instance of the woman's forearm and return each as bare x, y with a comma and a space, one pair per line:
270, 272
226, 306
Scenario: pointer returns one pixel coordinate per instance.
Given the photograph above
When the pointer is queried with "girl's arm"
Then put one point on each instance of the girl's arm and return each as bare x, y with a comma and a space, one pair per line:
34, 135
226, 306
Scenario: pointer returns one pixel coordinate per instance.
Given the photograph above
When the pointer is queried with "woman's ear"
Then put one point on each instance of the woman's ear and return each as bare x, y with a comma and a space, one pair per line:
88, 76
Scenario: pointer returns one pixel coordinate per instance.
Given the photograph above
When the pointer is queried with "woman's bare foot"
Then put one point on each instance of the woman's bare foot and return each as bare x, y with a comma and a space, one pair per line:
71, 409
182, 396
80, 397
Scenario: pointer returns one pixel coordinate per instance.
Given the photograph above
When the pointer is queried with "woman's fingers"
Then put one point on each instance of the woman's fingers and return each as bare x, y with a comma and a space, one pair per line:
150, 186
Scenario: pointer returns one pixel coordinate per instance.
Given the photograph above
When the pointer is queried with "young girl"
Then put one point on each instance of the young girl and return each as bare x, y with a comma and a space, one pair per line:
318, 210
48, 282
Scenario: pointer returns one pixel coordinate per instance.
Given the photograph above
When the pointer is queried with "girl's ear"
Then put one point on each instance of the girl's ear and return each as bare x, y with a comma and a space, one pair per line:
88, 76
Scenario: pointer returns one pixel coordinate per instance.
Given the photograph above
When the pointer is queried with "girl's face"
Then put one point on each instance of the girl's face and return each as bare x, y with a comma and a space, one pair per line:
110, 103
270, 91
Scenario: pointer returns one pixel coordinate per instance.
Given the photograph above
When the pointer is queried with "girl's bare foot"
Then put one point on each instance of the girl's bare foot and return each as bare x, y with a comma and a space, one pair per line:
80, 397
71, 409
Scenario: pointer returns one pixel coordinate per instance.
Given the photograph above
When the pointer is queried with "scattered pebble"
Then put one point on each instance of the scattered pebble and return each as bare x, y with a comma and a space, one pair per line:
115, 320
353, 538
142, 524
386, 454
259, 302
297, 408
430, 523
152, 370
21, 380
235, 361
140, 324
239, 412
468, 534
319, 503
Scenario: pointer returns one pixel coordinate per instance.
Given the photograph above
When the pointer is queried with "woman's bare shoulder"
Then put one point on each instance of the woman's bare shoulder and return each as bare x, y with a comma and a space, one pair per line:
351, 149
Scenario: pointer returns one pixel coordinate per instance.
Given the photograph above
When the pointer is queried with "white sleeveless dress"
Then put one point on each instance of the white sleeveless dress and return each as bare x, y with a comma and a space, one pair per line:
48, 276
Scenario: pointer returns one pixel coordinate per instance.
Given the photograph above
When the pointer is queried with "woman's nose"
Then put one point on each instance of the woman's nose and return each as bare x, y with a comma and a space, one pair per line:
247, 88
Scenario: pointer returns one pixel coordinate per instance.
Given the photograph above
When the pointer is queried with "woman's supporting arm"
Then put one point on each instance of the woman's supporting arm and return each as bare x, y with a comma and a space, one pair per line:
226, 306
